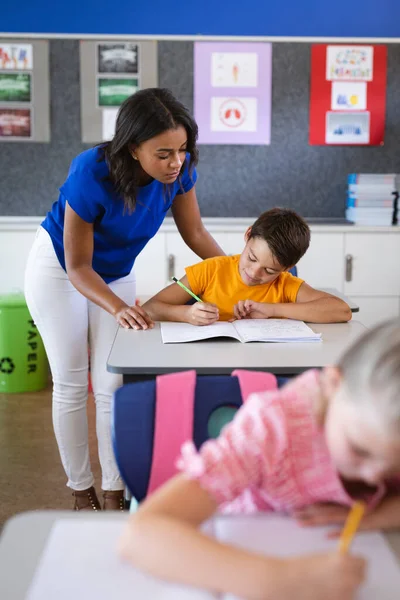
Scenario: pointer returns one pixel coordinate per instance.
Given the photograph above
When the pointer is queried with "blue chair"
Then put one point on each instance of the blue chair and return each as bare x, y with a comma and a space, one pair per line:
217, 398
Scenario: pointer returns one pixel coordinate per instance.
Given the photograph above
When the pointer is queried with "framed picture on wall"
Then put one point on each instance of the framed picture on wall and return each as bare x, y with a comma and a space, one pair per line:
15, 87
15, 123
118, 57
113, 91
348, 94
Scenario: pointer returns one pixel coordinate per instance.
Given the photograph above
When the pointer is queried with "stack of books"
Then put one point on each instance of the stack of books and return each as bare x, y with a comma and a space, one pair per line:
372, 199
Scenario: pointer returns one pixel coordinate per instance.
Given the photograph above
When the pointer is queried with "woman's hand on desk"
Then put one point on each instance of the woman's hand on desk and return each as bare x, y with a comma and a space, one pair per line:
202, 313
133, 317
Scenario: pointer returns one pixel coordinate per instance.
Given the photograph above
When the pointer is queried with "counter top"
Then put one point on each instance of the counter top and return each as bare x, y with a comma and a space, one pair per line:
220, 224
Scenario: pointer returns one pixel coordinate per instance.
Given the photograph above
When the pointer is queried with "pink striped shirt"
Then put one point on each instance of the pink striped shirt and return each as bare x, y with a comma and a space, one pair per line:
272, 456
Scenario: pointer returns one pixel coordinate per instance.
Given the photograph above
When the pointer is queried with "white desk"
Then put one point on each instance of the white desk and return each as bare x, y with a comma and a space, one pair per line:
24, 538
141, 354
22, 542
352, 305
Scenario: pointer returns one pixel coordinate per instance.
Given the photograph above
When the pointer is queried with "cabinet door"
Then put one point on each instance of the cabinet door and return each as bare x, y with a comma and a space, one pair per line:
151, 268
373, 264
14, 250
373, 310
322, 266
180, 256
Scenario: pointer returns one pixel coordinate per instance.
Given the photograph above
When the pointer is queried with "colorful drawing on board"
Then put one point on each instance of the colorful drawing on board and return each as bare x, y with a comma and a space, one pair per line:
232, 92
347, 128
118, 58
349, 95
234, 69
15, 122
112, 92
15, 87
349, 63
16, 57
233, 114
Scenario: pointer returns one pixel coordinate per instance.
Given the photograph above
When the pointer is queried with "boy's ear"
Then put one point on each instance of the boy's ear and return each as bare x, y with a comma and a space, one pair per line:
247, 234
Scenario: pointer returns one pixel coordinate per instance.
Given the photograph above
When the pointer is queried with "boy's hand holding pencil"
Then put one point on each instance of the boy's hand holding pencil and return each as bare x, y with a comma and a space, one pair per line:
200, 313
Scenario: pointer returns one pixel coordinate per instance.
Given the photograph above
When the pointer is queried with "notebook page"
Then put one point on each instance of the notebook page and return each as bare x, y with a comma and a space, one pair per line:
275, 330
80, 561
175, 333
281, 536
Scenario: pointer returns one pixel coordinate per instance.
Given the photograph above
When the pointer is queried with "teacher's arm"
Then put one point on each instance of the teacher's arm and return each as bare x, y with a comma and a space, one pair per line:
186, 213
78, 248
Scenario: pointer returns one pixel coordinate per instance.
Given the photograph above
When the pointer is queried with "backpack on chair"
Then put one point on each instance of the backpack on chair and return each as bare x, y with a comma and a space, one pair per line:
152, 419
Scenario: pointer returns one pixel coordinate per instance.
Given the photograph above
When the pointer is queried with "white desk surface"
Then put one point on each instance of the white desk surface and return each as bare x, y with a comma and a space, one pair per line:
24, 539
143, 353
353, 306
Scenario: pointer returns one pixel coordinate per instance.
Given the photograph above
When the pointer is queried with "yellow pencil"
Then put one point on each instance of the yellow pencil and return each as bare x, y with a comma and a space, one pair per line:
351, 526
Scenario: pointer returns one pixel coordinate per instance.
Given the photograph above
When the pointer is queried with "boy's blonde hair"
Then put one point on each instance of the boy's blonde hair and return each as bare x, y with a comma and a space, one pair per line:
371, 370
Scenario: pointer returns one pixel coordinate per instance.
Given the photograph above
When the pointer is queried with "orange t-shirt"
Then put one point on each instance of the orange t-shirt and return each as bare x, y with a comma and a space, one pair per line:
217, 280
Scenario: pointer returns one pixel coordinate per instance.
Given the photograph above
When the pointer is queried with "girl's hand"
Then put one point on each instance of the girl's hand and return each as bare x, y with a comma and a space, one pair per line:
134, 317
248, 309
202, 313
330, 576
384, 517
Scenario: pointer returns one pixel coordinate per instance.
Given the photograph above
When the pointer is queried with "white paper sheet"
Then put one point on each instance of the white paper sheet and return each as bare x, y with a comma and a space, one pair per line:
109, 119
281, 536
247, 330
275, 330
80, 561
172, 333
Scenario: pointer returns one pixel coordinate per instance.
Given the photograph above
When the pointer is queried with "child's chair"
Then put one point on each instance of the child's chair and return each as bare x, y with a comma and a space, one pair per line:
152, 419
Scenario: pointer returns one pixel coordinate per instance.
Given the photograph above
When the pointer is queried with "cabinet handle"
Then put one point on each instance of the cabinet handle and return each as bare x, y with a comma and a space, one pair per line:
171, 266
349, 267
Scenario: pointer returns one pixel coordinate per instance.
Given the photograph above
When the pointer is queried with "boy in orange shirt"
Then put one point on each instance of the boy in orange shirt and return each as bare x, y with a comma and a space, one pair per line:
255, 284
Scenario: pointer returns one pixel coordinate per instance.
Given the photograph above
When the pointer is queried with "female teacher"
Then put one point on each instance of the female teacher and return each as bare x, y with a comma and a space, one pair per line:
80, 280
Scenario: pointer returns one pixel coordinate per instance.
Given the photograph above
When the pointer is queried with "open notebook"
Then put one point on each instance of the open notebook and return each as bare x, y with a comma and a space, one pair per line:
80, 561
246, 330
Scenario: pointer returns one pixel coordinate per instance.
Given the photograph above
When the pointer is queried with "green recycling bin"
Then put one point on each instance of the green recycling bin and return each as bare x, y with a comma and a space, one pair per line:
23, 361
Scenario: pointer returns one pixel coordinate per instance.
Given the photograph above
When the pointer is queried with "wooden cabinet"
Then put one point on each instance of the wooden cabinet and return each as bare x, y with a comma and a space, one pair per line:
322, 265
151, 267
372, 274
375, 309
180, 256
363, 263
373, 264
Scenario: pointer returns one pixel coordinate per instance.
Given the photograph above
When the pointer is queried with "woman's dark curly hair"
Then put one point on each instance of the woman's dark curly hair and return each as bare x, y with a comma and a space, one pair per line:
141, 117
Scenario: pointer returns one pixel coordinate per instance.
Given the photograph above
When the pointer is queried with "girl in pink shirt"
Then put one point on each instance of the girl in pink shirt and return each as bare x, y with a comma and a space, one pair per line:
308, 450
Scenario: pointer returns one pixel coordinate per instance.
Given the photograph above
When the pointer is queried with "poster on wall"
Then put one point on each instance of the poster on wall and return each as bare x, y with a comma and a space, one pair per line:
109, 118
118, 58
115, 61
24, 91
15, 87
110, 73
348, 95
112, 92
15, 123
16, 57
232, 92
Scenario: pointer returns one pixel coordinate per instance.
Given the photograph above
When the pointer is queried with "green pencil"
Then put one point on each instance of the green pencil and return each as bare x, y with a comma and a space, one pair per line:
187, 289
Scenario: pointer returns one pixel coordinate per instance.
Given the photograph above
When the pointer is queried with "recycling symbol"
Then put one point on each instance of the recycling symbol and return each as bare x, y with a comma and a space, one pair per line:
6, 365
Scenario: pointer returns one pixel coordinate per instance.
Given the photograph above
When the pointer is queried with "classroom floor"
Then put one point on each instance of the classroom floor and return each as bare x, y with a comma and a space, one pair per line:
31, 475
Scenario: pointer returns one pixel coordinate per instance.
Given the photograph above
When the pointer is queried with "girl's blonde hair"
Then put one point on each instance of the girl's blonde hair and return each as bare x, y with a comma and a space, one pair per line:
371, 370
